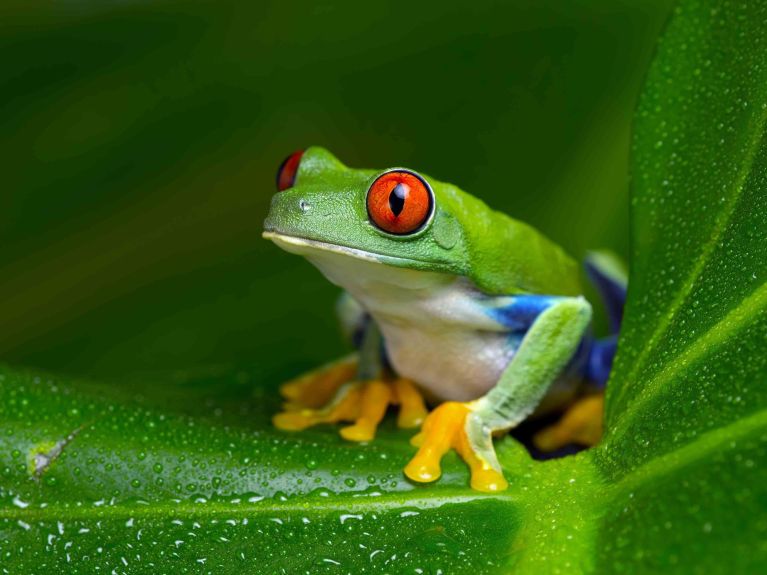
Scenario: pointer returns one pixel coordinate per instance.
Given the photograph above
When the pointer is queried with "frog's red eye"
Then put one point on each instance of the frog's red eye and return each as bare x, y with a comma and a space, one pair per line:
286, 173
400, 202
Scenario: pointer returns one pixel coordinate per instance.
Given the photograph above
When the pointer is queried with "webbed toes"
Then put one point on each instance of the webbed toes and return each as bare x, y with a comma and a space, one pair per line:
362, 402
448, 427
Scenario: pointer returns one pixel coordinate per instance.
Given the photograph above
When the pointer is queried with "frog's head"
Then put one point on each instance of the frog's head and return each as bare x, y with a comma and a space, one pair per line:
394, 216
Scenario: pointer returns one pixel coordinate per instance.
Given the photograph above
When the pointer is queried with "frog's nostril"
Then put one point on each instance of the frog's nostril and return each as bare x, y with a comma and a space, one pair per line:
304, 205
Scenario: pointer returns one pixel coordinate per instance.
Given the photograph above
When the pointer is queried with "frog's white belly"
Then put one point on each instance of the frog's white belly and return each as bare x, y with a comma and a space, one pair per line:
451, 364
435, 329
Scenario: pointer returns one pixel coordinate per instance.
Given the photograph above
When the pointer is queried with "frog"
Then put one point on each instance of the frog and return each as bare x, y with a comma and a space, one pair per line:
450, 305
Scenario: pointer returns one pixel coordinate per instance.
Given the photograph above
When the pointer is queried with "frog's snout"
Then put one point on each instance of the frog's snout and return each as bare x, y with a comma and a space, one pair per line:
287, 212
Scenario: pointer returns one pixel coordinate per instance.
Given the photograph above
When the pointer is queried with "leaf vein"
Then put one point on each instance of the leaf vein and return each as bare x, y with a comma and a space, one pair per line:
706, 444
720, 226
215, 509
748, 310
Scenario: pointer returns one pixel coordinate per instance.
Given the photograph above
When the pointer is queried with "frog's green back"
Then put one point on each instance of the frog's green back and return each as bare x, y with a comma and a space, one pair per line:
508, 256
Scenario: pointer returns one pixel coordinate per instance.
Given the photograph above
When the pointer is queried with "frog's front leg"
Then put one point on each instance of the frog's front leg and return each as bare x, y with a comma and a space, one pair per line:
545, 350
357, 391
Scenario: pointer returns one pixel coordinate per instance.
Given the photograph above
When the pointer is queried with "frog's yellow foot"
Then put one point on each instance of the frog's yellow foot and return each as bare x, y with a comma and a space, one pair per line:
449, 427
317, 388
365, 404
582, 424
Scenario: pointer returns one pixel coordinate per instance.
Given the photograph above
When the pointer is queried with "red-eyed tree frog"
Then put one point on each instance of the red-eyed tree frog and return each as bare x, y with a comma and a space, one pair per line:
448, 303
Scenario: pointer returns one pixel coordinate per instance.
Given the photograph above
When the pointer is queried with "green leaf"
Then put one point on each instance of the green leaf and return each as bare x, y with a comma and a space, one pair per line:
192, 479
695, 322
185, 474
686, 414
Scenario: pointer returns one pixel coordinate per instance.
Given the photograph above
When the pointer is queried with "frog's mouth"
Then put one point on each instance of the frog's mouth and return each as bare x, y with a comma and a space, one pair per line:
304, 247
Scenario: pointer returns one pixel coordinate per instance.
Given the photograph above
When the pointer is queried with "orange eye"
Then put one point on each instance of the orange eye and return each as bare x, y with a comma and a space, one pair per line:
286, 173
400, 202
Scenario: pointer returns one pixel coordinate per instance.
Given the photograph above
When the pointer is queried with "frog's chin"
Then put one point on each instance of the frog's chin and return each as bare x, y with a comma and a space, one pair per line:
359, 271
306, 247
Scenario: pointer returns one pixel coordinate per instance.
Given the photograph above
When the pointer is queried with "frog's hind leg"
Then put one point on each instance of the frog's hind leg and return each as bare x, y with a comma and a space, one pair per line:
581, 424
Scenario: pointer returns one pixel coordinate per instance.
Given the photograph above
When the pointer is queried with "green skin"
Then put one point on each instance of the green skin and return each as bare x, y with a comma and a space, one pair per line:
465, 238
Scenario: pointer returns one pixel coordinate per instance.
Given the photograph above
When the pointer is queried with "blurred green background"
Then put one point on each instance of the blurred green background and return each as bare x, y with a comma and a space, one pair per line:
140, 140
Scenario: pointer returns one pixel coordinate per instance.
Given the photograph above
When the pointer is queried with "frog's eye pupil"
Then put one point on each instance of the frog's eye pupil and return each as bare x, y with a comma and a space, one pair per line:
286, 173
400, 202
397, 198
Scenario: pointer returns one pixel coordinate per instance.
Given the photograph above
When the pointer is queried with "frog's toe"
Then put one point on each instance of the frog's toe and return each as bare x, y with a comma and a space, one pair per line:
373, 400
581, 424
343, 407
412, 409
297, 420
293, 420
424, 468
438, 435
488, 480
453, 425
317, 388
